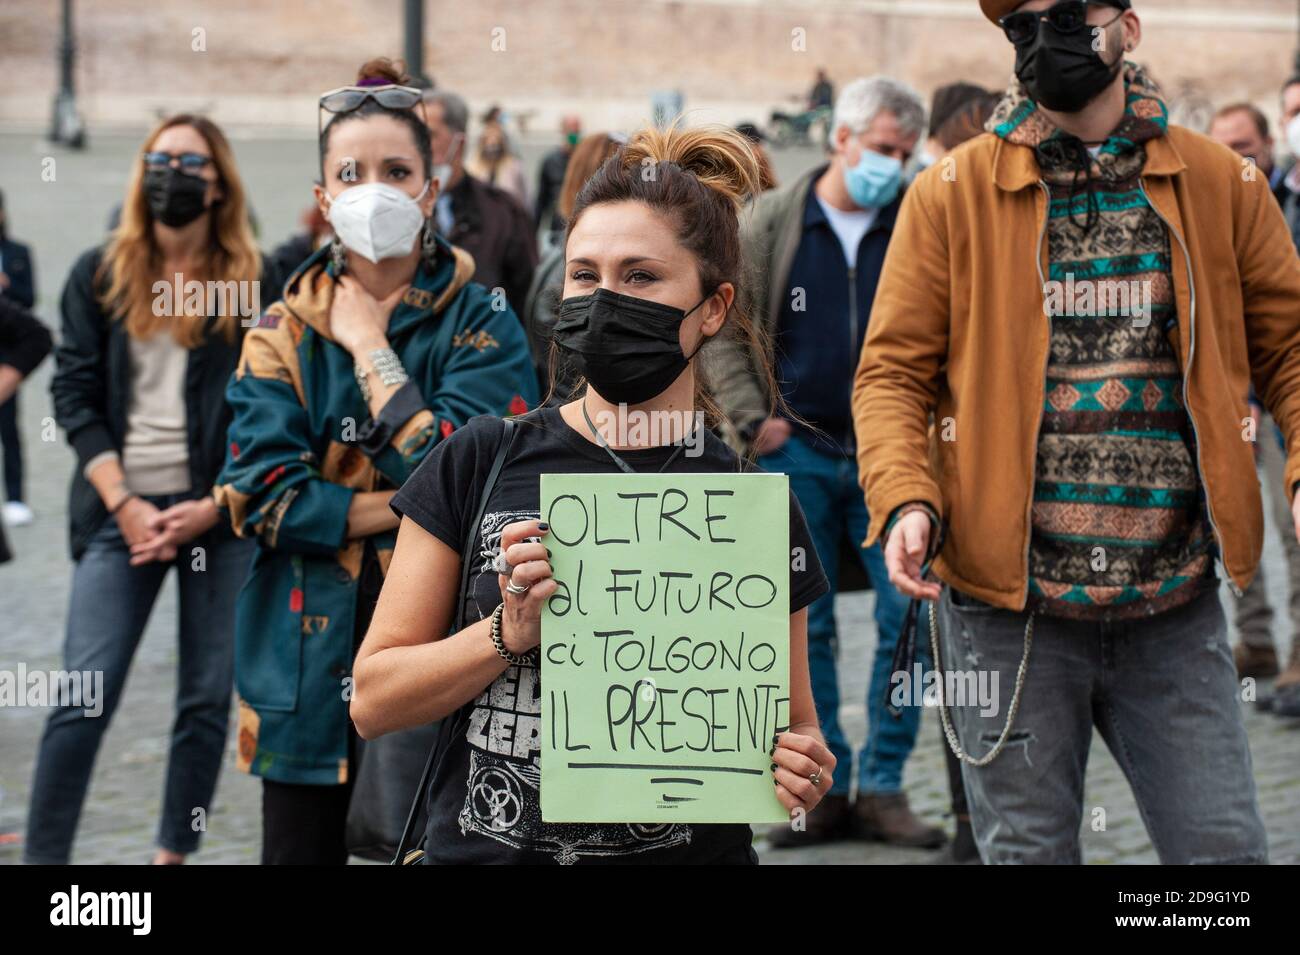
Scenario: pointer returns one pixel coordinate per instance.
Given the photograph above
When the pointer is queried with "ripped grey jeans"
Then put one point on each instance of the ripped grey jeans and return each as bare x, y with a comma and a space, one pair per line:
1162, 692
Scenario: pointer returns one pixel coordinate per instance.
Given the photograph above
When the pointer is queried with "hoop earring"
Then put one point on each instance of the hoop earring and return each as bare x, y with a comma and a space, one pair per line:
338, 257
429, 243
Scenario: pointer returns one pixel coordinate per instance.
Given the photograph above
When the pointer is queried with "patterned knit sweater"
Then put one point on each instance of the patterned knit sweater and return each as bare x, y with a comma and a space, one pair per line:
1119, 528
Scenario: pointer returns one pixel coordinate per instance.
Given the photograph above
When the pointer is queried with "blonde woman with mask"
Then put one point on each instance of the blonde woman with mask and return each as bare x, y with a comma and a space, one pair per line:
142, 368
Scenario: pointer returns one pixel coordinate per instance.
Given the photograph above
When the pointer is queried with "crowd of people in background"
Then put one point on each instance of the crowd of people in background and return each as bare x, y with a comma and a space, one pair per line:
849, 296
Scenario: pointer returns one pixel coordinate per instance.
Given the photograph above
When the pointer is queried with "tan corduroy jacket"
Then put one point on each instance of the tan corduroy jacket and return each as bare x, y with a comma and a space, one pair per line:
959, 330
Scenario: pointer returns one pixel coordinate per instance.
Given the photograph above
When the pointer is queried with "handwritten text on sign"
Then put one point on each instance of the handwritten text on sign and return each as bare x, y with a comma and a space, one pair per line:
666, 648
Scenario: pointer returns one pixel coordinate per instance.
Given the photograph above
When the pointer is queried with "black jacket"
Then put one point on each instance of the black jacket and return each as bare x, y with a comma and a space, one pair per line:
92, 389
16, 264
24, 339
540, 313
291, 253
550, 179
495, 229
24, 343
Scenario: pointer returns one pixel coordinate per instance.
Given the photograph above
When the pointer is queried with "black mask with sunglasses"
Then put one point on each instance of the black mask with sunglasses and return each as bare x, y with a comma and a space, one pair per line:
1056, 55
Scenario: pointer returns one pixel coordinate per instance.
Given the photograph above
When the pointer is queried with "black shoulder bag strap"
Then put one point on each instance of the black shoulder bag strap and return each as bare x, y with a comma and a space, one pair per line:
467, 557
905, 649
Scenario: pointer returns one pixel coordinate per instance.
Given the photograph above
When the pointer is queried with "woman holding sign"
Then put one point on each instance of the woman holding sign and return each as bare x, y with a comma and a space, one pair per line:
652, 270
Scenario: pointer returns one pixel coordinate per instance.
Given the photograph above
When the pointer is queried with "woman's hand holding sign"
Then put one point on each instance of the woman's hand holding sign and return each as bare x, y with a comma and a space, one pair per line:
525, 586
804, 767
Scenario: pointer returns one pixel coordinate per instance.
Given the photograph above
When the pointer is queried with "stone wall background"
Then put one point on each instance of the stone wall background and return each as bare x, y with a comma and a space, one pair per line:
265, 60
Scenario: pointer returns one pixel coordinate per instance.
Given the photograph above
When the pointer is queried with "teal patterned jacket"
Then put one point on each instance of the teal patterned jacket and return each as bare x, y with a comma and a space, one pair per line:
301, 444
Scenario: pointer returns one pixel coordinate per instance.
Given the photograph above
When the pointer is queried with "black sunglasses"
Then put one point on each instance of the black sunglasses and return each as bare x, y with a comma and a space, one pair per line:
189, 162
1069, 16
345, 99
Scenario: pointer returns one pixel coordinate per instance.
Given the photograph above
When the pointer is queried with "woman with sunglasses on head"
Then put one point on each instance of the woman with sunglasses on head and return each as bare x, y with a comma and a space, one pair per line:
652, 276
139, 389
380, 349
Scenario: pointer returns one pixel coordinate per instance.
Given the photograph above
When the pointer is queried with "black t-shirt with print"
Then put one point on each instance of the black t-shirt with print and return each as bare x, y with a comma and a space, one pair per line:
484, 799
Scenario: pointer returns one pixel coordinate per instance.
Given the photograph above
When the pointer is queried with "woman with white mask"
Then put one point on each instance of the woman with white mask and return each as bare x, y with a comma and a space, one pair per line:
380, 348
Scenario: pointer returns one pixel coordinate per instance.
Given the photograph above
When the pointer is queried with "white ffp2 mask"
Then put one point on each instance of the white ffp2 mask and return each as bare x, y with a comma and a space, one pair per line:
376, 220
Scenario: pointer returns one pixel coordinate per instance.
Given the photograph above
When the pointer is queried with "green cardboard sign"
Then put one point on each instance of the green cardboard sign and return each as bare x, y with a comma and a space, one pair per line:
666, 648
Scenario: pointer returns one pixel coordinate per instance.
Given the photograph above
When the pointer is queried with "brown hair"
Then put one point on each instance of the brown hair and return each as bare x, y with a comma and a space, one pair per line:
394, 72
966, 121
766, 174
700, 182
1256, 116
132, 261
588, 156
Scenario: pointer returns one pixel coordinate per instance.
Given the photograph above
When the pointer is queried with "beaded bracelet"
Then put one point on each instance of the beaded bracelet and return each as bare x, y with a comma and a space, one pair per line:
500, 645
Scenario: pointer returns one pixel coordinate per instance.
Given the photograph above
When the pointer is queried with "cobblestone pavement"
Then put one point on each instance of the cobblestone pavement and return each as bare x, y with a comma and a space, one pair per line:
62, 218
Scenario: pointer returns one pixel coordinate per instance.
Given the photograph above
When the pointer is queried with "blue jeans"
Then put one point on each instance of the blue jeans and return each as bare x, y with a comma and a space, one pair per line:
109, 608
1163, 693
826, 485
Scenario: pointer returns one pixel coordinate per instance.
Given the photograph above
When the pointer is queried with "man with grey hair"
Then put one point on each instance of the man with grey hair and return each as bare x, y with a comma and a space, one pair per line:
484, 220
819, 245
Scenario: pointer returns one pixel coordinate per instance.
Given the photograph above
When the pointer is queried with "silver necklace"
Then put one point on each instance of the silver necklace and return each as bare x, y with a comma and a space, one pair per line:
623, 465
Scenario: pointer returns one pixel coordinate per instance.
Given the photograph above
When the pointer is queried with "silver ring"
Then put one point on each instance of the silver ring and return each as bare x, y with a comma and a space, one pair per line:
514, 588
816, 778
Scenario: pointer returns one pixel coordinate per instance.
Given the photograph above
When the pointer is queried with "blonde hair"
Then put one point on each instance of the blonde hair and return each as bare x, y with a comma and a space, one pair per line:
132, 261
717, 157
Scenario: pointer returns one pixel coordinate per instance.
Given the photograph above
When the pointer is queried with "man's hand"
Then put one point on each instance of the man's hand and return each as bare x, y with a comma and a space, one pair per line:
772, 433
905, 552
1256, 422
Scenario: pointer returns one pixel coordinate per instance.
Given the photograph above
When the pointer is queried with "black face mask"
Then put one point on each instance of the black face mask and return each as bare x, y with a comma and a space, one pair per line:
627, 347
1062, 71
175, 198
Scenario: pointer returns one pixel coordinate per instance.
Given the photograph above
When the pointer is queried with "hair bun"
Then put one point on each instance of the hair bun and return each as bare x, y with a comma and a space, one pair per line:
718, 156
382, 71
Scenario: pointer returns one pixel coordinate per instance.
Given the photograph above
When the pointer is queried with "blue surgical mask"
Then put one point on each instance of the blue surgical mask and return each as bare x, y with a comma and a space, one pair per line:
874, 182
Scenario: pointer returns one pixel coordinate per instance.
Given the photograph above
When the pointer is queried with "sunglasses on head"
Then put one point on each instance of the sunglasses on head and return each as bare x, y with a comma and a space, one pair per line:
188, 162
1069, 16
346, 99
